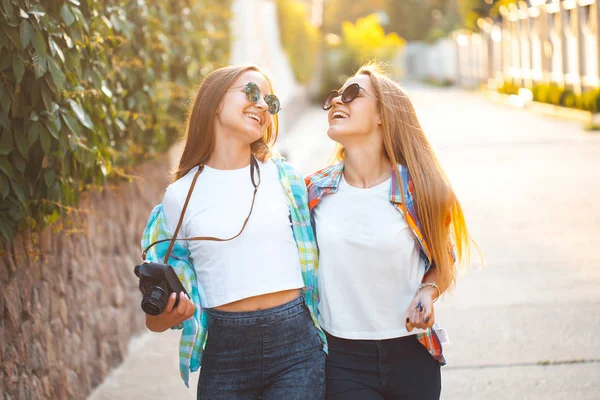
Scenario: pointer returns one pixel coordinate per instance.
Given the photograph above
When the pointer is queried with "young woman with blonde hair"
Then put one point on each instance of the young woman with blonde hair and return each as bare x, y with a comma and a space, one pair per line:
388, 240
250, 268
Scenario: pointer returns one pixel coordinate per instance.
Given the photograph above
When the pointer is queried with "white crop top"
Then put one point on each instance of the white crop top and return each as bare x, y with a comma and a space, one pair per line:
263, 259
370, 266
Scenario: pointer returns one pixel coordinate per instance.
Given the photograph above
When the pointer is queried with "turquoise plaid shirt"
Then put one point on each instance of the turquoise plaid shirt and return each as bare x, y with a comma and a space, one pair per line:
326, 182
195, 329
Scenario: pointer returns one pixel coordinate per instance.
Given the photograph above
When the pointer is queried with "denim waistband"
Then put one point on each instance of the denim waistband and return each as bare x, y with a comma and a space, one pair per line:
260, 317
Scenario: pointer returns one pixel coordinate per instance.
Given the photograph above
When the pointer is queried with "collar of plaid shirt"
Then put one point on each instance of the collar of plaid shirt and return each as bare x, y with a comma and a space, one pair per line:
327, 181
194, 330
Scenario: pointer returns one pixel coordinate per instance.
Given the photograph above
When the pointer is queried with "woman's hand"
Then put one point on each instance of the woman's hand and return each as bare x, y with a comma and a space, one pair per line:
420, 312
171, 315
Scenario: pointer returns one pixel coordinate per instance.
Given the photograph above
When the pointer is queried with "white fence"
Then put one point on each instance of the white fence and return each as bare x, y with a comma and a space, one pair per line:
540, 41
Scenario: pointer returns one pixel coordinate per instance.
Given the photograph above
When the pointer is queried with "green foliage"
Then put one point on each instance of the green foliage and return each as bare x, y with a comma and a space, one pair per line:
471, 10
361, 42
366, 40
508, 88
559, 96
421, 20
410, 19
300, 39
338, 11
91, 87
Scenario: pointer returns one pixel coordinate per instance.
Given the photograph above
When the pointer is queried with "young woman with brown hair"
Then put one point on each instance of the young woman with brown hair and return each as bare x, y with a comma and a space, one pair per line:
388, 242
251, 317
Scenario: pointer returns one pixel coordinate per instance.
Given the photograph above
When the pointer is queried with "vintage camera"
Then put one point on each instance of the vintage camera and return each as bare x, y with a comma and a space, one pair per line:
157, 282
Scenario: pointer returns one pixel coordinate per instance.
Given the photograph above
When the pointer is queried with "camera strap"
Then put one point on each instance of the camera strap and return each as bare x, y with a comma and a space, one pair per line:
253, 166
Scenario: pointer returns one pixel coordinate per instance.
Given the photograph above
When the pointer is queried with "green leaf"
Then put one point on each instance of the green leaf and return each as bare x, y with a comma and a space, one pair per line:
45, 139
6, 142
96, 77
33, 133
67, 15
49, 176
47, 96
53, 125
12, 35
71, 123
6, 167
5, 100
54, 192
18, 191
106, 90
7, 230
4, 42
57, 76
26, 32
18, 161
120, 124
22, 143
80, 18
81, 114
3, 187
18, 68
106, 22
4, 121
37, 10
68, 40
39, 65
54, 108
8, 8
55, 49
4, 59
38, 42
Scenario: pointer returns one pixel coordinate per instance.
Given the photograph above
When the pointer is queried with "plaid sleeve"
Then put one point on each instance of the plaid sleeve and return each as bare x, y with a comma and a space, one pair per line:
194, 329
305, 241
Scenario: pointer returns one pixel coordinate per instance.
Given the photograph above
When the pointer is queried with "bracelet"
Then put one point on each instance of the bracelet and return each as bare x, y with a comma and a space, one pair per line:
431, 285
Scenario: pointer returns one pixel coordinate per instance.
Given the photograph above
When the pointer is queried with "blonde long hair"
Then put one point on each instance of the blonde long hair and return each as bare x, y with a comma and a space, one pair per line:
199, 135
438, 209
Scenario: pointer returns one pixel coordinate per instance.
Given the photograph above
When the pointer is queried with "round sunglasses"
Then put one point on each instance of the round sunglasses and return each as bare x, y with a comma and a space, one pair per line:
253, 95
348, 95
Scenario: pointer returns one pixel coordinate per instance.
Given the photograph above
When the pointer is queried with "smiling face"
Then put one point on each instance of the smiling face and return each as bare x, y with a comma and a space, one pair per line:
240, 120
358, 118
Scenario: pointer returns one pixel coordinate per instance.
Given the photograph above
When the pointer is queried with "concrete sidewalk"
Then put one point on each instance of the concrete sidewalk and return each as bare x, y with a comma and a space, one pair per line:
524, 327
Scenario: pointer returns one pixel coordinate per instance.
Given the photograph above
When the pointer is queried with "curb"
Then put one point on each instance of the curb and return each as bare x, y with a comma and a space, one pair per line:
590, 119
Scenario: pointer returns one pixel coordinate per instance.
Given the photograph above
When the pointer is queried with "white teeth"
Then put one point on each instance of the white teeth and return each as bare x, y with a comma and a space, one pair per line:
253, 116
339, 114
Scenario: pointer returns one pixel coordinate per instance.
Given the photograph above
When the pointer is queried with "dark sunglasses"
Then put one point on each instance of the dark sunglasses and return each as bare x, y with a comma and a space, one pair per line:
253, 95
348, 95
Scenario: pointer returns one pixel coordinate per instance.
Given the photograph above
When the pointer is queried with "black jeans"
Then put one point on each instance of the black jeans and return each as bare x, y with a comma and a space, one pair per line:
269, 354
381, 369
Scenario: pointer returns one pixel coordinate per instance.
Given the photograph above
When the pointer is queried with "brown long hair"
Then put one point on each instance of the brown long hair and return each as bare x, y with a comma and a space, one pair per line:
199, 135
438, 209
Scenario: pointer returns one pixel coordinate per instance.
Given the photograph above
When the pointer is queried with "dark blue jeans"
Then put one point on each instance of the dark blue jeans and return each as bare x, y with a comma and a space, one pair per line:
398, 368
267, 354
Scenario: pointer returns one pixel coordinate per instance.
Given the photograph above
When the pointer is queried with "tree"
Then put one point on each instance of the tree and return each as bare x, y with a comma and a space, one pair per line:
338, 11
471, 10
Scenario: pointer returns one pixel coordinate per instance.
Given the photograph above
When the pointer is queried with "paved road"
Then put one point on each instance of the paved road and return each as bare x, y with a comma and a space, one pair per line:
525, 326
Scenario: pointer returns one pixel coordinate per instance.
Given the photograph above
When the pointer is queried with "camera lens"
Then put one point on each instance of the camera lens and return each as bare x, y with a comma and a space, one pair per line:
154, 302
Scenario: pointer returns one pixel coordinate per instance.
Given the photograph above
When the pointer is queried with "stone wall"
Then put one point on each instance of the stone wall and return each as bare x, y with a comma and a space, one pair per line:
69, 304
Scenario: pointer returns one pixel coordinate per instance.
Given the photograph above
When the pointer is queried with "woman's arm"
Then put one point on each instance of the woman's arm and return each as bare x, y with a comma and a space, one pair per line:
171, 317
421, 311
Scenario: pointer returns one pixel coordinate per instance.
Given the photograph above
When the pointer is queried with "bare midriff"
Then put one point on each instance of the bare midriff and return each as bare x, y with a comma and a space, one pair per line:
261, 302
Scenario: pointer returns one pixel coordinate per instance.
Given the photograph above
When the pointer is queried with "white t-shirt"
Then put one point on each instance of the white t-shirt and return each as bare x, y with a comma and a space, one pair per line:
263, 259
369, 264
